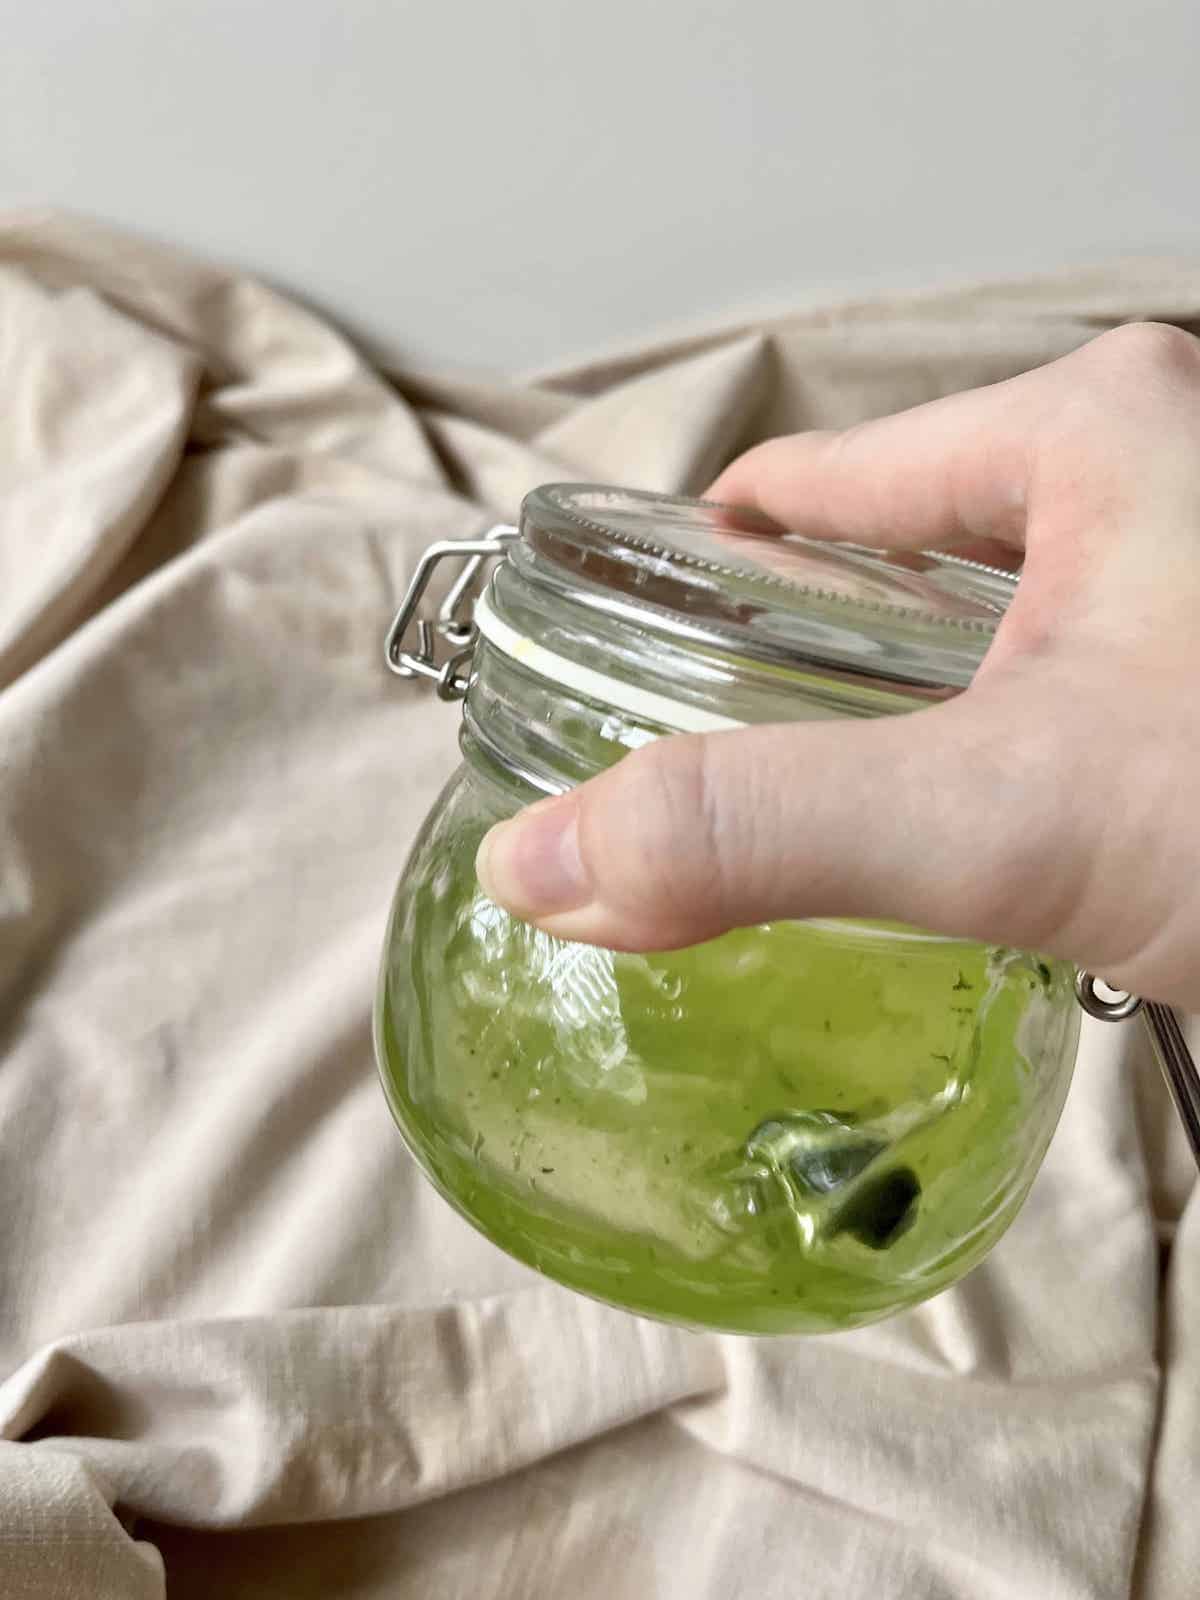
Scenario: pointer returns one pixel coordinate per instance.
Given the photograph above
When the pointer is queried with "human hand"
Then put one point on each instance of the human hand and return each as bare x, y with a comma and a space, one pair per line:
1053, 806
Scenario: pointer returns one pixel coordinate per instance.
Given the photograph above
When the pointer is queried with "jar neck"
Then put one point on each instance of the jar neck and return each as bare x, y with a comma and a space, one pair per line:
562, 686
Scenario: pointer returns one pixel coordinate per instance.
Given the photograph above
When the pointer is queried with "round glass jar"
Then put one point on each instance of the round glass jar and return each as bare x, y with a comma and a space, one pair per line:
796, 1127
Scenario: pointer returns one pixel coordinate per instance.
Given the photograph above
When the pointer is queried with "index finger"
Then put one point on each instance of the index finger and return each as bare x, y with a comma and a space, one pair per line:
951, 473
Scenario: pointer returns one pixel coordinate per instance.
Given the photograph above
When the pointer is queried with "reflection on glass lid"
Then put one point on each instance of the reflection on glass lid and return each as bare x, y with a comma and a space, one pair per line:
918, 615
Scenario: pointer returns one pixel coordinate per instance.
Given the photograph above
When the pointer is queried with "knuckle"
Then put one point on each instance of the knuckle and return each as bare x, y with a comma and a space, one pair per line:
1139, 381
679, 808
1150, 350
650, 833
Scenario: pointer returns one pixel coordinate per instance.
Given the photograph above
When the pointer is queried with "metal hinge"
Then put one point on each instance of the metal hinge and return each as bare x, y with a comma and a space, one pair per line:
453, 623
1170, 1047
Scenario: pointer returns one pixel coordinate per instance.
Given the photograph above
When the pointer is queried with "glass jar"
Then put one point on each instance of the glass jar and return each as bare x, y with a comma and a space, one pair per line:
796, 1127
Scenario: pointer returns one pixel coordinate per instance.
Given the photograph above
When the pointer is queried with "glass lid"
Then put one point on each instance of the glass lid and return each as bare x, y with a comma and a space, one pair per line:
732, 577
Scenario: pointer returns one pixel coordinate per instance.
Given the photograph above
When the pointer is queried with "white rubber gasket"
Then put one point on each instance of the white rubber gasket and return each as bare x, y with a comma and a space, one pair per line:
622, 696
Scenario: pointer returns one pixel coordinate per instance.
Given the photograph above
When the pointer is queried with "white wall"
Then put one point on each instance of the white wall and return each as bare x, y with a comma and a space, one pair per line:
508, 183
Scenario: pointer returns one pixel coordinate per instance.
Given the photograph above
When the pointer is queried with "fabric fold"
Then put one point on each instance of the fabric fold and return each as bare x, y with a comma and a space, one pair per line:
348, 1411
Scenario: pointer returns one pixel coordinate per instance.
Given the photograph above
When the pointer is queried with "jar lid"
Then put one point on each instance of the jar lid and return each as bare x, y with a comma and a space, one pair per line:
732, 577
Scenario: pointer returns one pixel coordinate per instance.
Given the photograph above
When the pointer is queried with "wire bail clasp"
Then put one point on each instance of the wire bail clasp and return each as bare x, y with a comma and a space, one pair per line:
1116, 1009
1175, 1060
453, 623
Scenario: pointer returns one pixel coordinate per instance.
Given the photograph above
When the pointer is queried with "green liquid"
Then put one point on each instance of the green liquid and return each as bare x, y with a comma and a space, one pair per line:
795, 1127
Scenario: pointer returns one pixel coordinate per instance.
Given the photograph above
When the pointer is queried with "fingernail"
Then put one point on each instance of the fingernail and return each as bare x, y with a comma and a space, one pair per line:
531, 864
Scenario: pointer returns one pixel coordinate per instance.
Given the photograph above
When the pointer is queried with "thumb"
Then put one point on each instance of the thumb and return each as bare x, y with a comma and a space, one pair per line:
926, 818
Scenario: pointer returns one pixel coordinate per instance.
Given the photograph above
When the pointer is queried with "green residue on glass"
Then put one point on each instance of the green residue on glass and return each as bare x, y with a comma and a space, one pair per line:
796, 1127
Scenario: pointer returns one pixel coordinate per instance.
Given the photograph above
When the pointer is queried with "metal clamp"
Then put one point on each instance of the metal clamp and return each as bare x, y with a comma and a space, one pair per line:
453, 623
1122, 1005
1170, 1047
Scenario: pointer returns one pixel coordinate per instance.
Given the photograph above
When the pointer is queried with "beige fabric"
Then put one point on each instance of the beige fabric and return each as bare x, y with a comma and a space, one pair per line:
232, 1316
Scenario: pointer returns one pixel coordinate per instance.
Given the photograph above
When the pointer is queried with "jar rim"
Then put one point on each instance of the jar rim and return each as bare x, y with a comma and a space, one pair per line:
731, 578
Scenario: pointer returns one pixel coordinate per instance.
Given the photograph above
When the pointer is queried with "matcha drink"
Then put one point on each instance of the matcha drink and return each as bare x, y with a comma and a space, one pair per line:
795, 1127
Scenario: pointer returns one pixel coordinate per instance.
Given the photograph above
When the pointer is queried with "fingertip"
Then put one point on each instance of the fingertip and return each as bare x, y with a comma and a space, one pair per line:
531, 863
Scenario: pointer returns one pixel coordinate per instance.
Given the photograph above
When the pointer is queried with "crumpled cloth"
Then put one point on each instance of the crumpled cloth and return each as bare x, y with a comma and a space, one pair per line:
246, 1351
